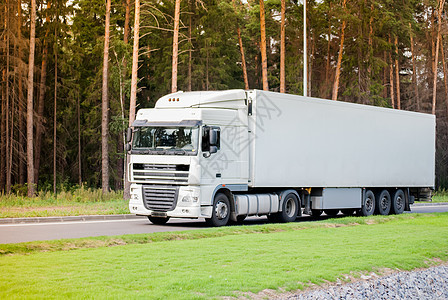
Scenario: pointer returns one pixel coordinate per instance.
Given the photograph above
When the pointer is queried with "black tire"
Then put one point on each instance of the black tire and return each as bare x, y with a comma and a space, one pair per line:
398, 202
220, 211
348, 211
382, 203
368, 204
316, 212
331, 212
290, 208
158, 220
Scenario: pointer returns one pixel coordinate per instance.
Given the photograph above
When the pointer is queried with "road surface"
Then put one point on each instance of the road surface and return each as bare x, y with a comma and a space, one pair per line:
15, 233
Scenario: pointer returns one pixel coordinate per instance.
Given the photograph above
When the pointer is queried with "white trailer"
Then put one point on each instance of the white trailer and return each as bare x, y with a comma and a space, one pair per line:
226, 155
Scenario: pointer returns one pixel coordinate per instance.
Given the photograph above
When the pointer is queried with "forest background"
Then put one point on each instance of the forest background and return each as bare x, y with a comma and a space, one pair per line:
74, 71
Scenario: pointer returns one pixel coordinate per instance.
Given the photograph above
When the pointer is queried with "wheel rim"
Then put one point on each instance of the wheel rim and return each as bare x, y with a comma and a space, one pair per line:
384, 203
369, 203
290, 207
399, 203
221, 210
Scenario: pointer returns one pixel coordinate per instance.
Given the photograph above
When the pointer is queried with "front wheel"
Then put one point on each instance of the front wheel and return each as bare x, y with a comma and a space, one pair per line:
220, 212
290, 208
158, 220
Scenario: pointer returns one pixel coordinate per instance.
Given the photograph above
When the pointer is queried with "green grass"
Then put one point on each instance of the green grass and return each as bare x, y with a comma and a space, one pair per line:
80, 201
439, 196
228, 261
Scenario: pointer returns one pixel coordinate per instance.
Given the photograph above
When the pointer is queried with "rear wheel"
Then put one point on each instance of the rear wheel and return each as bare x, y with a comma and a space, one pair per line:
290, 208
368, 204
383, 203
158, 220
220, 211
398, 202
331, 212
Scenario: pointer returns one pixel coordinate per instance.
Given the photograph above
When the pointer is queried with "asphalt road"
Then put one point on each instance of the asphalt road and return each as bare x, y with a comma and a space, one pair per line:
16, 233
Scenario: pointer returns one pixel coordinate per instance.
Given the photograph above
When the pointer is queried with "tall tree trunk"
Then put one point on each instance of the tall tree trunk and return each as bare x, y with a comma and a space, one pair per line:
442, 52
105, 107
240, 42
3, 134
339, 63
326, 89
55, 103
243, 59
127, 18
22, 169
121, 169
41, 101
79, 143
175, 47
391, 78
436, 59
414, 69
190, 58
206, 66
370, 53
8, 111
385, 76
282, 47
310, 64
134, 80
397, 73
29, 106
264, 59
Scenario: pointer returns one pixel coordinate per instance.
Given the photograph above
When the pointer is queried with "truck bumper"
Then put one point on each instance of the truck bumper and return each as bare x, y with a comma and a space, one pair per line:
187, 205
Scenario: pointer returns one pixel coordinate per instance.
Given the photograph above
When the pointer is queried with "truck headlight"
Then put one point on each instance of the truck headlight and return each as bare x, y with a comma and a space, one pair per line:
134, 197
186, 199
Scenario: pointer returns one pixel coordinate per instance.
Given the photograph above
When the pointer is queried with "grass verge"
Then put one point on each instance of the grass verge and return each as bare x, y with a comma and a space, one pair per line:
222, 262
438, 197
80, 201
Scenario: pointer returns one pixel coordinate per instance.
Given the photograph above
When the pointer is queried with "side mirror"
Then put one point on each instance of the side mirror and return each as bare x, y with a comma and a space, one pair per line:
128, 147
213, 136
129, 135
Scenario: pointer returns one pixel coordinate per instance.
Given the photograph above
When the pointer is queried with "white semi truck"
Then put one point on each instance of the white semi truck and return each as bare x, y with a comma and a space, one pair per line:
226, 155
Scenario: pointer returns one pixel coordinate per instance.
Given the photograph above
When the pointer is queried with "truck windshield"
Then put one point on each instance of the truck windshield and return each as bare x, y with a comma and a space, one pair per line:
166, 140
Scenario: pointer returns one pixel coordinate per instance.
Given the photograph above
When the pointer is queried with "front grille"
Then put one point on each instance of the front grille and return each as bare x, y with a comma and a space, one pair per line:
160, 173
160, 198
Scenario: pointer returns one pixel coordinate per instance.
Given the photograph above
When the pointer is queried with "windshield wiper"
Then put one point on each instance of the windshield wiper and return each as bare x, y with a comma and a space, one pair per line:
177, 151
159, 151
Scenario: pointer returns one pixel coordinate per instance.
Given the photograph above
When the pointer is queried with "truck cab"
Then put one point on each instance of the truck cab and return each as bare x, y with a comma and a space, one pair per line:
185, 151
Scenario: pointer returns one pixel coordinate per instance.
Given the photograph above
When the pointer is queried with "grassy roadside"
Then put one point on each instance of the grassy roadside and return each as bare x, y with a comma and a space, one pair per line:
219, 262
439, 196
80, 201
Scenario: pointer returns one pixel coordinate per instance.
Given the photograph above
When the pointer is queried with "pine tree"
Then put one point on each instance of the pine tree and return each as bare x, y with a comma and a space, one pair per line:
30, 111
105, 107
